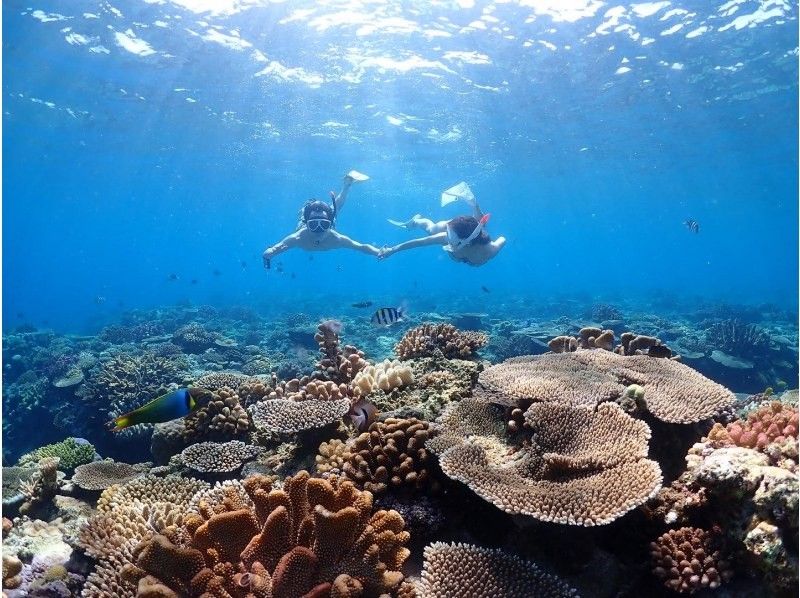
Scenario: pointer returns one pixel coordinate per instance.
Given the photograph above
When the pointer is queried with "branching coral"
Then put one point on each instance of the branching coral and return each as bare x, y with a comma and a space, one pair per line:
337, 364
673, 392
384, 376
466, 570
391, 454
423, 341
99, 475
688, 559
771, 429
70, 452
306, 539
581, 466
41, 487
735, 337
220, 416
283, 416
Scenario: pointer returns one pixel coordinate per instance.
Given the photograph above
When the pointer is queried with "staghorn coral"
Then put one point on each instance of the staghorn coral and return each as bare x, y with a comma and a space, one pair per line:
284, 416
423, 340
70, 452
464, 570
385, 376
581, 466
126, 515
250, 540
391, 454
673, 392
220, 416
688, 559
218, 457
99, 475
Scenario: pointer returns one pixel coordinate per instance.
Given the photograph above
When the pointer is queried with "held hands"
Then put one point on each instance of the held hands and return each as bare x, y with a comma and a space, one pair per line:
385, 252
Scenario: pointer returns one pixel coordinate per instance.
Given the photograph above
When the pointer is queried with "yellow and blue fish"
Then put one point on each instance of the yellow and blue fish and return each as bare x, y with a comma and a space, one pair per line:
178, 403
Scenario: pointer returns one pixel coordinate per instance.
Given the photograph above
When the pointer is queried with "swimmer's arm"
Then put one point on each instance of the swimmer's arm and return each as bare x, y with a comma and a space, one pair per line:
437, 239
339, 200
286, 243
345, 242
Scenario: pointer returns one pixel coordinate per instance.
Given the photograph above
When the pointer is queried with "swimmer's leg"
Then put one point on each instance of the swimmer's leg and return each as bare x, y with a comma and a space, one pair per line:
426, 224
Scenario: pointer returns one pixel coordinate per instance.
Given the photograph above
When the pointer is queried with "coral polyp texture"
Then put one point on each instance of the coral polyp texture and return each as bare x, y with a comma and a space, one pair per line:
218, 457
391, 454
582, 466
312, 537
769, 425
100, 475
285, 416
688, 559
70, 452
426, 339
465, 570
673, 392
384, 376
220, 416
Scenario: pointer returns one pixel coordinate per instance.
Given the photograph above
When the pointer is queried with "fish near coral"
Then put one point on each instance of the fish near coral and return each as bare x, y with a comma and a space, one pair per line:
178, 403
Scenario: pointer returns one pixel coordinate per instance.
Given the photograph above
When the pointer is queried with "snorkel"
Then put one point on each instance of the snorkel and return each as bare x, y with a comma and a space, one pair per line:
459, 243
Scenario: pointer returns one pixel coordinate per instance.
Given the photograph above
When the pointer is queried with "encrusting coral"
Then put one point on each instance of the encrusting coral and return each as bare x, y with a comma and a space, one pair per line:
465, 570
688, 559
673, 392
581, 466
424, 340
312, 537
390, 455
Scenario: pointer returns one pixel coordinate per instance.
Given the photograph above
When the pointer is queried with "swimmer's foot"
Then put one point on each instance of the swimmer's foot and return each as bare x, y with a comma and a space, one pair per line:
408, 223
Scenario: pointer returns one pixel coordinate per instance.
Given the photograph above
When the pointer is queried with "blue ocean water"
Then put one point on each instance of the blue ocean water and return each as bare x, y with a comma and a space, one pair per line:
157, 138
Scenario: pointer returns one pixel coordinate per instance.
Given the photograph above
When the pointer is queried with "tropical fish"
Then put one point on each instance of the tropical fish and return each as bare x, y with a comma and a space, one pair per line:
172, 277
178, 403
386, 316
692, 225
362, 304
485, 289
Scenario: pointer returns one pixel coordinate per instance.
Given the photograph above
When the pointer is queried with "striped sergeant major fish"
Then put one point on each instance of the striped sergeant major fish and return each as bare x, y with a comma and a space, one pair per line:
386, 316
692, 225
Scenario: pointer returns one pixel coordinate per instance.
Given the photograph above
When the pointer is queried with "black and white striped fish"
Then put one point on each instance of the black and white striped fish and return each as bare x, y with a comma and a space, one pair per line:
386, 316
692, 225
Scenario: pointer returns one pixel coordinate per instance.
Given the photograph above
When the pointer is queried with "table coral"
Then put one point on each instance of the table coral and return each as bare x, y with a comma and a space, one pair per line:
580, 466
311, 535
285, 416
99, 475
465, 570
423, 340
673, 392
218, 457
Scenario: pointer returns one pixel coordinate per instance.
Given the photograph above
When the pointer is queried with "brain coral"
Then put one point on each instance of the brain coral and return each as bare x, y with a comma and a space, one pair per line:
313, 537
465, 570
582, 466
391, 454
99, 475
284, 416
688, 559
218, 457
673, 392
71, 453
425, 339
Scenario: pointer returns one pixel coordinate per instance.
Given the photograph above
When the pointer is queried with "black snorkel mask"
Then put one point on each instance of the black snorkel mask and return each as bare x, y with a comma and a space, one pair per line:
319, 224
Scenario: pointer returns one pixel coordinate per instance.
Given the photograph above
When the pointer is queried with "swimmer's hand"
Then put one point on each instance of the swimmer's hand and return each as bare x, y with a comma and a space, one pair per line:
266, 256
384, 252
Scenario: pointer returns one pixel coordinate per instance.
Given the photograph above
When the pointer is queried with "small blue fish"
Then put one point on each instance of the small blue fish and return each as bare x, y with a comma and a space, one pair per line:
692, 225
386, 316
178, 403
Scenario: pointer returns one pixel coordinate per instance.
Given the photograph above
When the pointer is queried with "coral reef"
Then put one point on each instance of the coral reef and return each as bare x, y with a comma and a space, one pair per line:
220, 416
194, 338
285, 416
100, 475
688, 559
311, 535
70, 452
673, 392
391, 454
581, 466
465, 570
218, 457
41, 487
385, 376
425, 339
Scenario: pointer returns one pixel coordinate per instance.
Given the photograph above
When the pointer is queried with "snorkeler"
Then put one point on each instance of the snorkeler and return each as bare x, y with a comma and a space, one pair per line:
463, 237
315, 231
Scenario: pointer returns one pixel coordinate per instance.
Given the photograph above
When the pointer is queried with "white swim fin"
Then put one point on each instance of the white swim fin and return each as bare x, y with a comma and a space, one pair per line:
357, 176
456, 192
405, 224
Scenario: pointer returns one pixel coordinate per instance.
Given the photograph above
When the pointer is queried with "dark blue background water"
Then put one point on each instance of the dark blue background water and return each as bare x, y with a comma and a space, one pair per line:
589, 172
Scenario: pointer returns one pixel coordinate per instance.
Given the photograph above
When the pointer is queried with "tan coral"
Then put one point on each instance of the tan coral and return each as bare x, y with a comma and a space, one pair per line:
582, 466
674, 392
688, 559
99, 475
282, 416
464, 570
385, 376
332, 456
218, 457
217, 380
245, 536
219, 417
391, 454
424, 340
